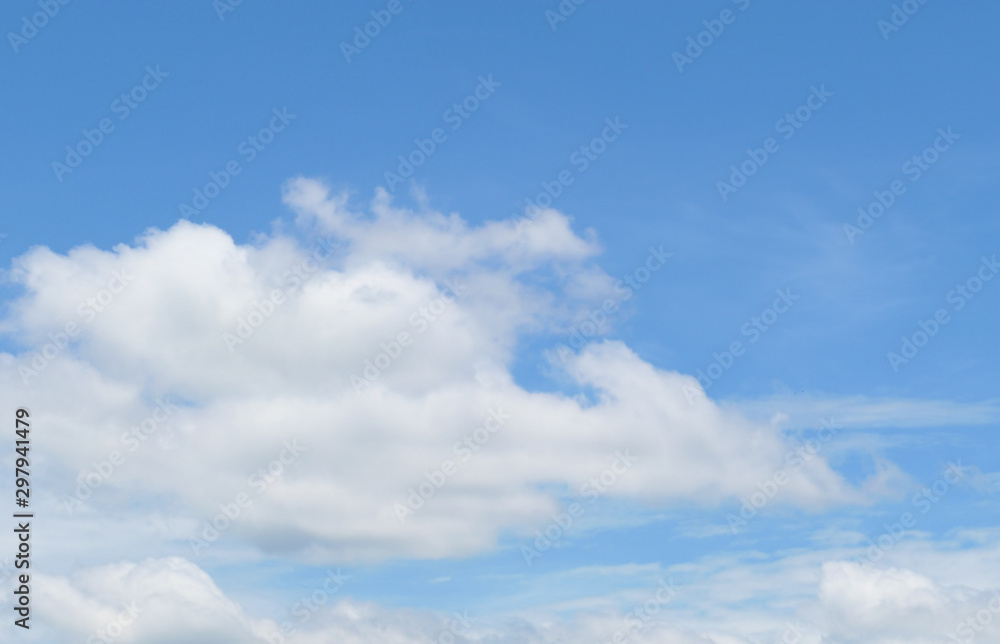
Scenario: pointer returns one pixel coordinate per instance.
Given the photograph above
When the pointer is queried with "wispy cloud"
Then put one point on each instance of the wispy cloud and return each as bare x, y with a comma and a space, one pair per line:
805, 411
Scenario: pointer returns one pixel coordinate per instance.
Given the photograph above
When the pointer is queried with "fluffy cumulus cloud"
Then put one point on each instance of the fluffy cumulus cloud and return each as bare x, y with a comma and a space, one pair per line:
343, 393
885, 606
153, 601
349, 397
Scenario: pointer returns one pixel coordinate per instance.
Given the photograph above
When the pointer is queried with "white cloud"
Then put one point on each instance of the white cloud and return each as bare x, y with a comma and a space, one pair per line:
172, 600
885, 606
434, 241
804, 411
730, 600
290, 380
155, 601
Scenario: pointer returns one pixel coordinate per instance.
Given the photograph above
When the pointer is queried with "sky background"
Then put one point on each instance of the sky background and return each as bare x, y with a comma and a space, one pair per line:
892, 93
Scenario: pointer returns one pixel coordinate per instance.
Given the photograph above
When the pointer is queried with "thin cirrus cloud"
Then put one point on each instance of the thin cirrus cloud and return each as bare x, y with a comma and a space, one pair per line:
803, 411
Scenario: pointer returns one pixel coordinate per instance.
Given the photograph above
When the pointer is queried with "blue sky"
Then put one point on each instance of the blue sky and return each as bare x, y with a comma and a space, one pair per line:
874, 99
